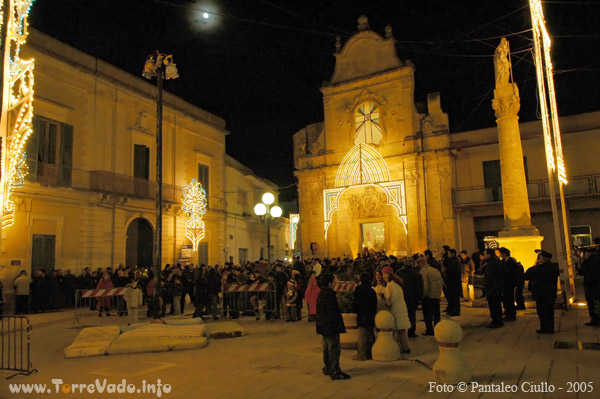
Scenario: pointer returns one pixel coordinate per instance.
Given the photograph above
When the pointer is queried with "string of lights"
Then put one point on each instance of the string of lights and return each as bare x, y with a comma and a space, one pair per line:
20, 107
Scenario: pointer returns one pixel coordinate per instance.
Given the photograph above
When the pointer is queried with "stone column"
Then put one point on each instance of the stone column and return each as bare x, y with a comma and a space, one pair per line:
506, 103
518, 235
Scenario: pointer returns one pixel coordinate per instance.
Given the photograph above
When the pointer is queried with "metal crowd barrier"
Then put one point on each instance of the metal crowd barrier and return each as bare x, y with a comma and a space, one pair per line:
88, 301
15, 336
344, 286
238, 297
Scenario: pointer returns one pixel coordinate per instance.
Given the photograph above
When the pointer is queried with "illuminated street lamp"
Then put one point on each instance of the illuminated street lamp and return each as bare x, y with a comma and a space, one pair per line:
159, 66
267, 213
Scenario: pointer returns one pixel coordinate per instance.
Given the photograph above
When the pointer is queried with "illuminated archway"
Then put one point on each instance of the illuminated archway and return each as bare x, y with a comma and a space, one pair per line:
363, 165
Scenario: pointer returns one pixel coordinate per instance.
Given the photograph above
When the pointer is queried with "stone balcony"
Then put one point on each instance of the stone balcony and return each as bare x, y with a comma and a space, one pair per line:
579, 186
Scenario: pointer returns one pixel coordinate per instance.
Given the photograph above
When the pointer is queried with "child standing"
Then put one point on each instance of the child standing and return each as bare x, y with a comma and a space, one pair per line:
133, 298
290, 297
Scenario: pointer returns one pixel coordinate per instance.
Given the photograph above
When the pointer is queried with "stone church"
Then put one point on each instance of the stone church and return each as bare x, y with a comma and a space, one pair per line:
376, 173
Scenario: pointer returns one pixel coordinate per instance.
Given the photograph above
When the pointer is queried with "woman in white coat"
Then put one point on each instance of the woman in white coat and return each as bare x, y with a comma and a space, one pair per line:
394, 298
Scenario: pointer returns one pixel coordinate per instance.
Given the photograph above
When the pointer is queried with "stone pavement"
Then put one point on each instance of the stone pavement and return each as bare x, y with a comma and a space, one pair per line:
283, 360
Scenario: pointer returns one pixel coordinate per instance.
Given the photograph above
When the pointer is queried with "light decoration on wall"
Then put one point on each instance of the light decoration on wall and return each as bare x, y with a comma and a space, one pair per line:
194, 203
17, 113
542, 44
363, 166
294, 220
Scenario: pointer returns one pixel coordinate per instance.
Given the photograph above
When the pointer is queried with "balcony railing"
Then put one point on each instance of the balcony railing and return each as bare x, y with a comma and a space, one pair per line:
114, 183
539, 189
47, 174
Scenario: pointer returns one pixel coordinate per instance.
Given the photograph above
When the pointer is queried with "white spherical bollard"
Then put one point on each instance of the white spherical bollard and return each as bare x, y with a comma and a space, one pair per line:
450, 367
385, 348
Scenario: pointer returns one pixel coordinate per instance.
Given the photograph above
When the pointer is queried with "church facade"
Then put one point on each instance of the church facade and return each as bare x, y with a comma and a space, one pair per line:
376, 172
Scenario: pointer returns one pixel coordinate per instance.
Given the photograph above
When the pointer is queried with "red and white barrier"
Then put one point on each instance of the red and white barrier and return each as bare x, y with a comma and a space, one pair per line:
102, 292
235, 287
344, 286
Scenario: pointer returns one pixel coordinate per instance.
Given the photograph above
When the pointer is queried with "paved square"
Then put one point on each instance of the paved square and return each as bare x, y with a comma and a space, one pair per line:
283, 360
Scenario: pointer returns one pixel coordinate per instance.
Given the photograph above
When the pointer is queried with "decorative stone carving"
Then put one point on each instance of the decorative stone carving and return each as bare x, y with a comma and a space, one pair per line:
506, 106
363, 23
315, 147
370, 203
364, 97
411, 177
388, 32
427, 125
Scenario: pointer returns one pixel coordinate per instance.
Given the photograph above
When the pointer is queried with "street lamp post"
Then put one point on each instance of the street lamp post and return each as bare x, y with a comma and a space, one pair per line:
160, 66
268, 212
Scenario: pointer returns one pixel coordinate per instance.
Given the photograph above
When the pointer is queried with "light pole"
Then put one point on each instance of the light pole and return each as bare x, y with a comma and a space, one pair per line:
268, 212
160, 66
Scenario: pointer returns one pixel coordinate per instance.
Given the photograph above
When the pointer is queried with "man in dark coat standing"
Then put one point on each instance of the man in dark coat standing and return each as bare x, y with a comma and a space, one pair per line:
511, 276
590, 270
412, 285
453, 282
493, 286
543, 280
364, 305
330, 324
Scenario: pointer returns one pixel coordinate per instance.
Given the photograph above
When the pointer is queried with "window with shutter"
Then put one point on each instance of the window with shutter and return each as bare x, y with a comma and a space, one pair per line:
50, 152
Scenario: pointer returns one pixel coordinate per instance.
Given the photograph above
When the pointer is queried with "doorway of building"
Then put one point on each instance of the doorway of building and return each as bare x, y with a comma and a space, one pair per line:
43, 253
140, 243
373, 236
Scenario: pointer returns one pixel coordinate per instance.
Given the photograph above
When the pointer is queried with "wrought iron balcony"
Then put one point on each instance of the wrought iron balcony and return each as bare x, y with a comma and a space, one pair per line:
538, 189
114, 183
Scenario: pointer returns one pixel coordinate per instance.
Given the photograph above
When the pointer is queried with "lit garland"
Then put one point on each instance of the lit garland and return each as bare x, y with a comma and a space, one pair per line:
362, 165
294, 220
19, 110
194, 203
542, 41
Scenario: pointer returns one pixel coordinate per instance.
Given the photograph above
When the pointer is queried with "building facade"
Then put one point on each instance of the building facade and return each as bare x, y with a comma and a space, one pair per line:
375, 173
477, 193
89, 197
379, 174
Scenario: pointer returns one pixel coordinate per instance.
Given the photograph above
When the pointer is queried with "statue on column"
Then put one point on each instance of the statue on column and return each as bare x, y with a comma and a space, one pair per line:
501, 63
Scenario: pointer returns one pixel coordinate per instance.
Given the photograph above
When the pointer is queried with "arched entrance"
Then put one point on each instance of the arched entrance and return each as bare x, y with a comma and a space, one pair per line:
140, 243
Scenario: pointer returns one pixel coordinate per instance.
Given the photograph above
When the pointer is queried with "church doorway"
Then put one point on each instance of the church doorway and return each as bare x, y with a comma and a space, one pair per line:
140, 243
373, 236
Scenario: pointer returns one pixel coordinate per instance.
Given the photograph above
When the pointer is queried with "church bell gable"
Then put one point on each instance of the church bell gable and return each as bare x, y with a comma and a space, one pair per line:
364, 54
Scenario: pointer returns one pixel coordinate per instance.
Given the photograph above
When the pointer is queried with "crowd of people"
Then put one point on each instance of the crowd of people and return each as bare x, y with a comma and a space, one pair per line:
399, 284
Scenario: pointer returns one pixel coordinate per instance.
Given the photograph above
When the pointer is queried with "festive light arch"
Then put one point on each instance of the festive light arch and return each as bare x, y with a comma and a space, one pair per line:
363, 166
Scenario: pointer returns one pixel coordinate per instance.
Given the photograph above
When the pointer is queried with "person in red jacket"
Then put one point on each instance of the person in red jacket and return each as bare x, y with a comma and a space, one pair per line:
311, 294
104, 302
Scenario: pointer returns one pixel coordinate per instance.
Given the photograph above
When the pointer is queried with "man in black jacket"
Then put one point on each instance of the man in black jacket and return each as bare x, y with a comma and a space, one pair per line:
543, 280
590, 270
511, 277
453, 282
330, 324
493, 287
364, 305
412, 285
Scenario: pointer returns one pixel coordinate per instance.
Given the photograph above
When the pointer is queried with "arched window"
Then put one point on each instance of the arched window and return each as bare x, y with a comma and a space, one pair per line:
368, 128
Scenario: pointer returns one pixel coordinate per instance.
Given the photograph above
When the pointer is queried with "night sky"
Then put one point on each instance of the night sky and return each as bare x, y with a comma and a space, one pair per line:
259, 64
